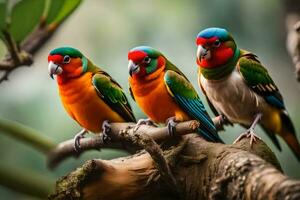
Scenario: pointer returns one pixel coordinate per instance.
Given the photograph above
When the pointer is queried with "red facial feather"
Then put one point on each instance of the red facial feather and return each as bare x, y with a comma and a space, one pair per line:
56, 58
205, 41
219, 57
161, 61
70, 70
136, 56
141, 73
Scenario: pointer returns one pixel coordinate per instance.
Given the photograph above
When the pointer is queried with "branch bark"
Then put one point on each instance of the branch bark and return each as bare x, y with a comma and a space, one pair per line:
202, 169
117, 141
66, 149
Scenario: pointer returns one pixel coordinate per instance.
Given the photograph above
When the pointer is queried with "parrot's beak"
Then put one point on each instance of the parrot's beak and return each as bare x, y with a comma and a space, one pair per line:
133, 68
203, 53
54, 69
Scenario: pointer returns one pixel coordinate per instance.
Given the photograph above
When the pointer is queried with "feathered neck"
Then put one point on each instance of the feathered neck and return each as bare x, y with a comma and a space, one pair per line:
219, 72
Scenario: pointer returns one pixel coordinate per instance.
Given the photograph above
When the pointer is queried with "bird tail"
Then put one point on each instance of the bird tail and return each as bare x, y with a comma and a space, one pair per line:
288, 133
210, 135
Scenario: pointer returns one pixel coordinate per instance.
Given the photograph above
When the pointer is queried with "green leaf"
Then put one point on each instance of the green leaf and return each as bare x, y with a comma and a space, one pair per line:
2, 15
60, 10
2, 49
25, 16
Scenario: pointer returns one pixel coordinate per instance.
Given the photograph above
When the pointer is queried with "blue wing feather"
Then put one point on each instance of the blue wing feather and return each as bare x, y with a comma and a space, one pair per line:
185, 95
195, 108
275, 101
259, 80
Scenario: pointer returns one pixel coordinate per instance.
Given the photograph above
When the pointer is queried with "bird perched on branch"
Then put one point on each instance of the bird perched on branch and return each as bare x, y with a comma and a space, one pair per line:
238, 86
164, 93
90, 95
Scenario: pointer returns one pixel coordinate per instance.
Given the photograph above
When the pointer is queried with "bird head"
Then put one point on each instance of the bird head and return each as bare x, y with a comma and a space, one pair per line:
66, 62
216, 47
144, 60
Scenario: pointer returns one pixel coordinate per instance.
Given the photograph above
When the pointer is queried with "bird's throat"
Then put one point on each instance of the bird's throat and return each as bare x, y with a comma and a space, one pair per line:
220, 71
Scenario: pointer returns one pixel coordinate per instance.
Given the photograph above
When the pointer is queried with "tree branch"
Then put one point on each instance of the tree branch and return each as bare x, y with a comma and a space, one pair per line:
15, 58
204, 170
146, 142
66, 149
23, 55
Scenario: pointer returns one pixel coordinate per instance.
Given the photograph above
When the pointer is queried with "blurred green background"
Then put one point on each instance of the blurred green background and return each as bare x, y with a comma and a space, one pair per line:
105, 30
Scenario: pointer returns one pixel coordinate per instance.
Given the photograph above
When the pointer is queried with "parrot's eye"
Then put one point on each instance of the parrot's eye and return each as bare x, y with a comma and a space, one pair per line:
217, 43
147, 60
67, 59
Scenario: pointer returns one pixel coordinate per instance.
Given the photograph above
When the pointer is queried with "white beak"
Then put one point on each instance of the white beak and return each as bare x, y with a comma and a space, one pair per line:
54, 69
203, 53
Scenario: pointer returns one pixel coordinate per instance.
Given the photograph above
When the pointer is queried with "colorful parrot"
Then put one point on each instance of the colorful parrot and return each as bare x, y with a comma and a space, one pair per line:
89, 95
240, 88
164, 93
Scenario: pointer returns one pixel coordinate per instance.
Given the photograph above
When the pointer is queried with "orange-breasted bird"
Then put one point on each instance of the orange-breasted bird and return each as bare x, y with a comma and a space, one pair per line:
89, 95
164, 93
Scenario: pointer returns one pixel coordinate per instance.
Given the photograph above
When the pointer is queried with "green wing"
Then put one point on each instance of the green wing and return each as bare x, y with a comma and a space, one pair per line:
172, 67
185, 95
259, 80
112, 94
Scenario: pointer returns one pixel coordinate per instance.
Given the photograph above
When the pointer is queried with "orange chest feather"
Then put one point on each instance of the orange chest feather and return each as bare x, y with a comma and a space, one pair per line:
81, 101
154, 99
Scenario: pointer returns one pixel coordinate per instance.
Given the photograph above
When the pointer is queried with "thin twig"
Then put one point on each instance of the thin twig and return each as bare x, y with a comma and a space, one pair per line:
26, 181
15, 58
22, 55
27, 135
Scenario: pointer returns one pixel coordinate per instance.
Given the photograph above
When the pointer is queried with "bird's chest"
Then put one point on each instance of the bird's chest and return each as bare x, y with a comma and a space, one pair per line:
155, 101
81, 101
232, 97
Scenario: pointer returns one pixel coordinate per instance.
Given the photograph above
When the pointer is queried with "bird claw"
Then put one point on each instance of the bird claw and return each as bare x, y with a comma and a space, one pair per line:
140, 122
171, 125
249, 134
106, 129
77, 139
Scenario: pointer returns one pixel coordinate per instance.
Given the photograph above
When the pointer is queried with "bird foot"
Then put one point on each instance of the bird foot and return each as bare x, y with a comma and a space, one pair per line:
171, 125
219, 122
140, 122
106, 129
249, 134
77, 139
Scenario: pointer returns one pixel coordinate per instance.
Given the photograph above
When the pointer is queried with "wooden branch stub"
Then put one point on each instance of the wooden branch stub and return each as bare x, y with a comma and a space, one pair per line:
124, 178
144, 141
71, 185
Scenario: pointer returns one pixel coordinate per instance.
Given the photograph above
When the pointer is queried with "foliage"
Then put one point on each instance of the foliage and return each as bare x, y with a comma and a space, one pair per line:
20, 21
26, 25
